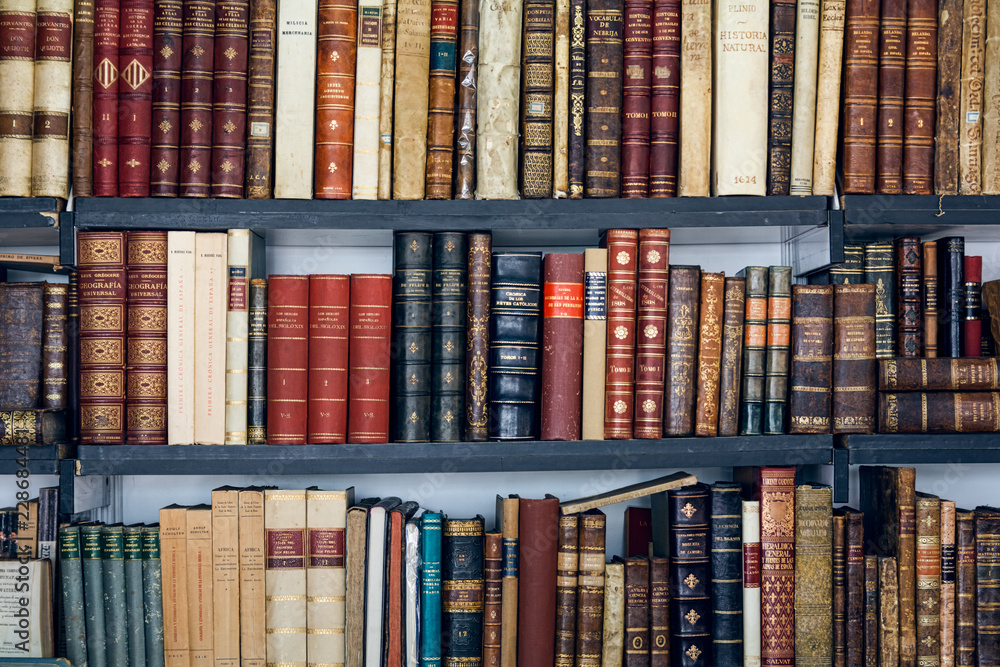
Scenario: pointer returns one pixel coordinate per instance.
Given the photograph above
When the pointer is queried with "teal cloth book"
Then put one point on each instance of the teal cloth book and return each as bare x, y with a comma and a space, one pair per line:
71, 584
152, 595
93, 594
115, 624
430, 589
132, 538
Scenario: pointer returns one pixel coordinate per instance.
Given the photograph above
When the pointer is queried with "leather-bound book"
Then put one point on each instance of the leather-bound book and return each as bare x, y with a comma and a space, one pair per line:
839, 590
368, 374
928, 565
329, 306
779, 325
651, 331
55, 341
731, 364
595, 333
107, 35
113, 573
695, 135
82, 117
929, 302
853, 584
622, 246
987, 574
682, 351
562, 346
871, 624
813, 578
991, 112
165, 128
146, 372
947, 582
560, 101
726, 532
441, 98
538, 523
73, 358
17, 71
448, 339
861, 48
807, 20
831, 53
284, 575
326, 576
590, 589
972, 323
387, 87
811, 373
514, 355
614, 616
950, 412
638, 531
576, 144
508, 523
430, 586
779, 142
888, 611
198, 68
951, 295
287, 359
659, 611
21, 336
965, 588
568, 562
477, 337
229, 98
135, 90
335, 66
462, 592
891, 79
101, 258
880, 272
854, 366
492, 597
690, 576
948, 119
52, 98
909, 275
636, 611
709, 353
412, 352
636, 91
294, 106
751, 582
939, 375
409, 141
260, 100
465, 122
355, 548
754, 351
537, 64
603, 119
257, 364
665, 98
852, 270
920, 97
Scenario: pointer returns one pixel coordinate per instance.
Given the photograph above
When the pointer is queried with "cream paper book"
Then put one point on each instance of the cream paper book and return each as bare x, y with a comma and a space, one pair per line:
595, 334
413, 50
209, 339
180, 337
52, 101
560, 124
614, 614
326, 578
696, 99
285, 576
295, 105
804, 97
237, 324
367, 93
200, 583
739, 155
386, 89
174, 574
26, 609
17, 76
252, 604
991, 104
226, 575
970, 121
751, 591
831, 51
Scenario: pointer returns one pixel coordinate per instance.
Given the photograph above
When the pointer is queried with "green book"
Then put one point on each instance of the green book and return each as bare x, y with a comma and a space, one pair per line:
93, 594
115, 623
71, 584
132, 538
152, 595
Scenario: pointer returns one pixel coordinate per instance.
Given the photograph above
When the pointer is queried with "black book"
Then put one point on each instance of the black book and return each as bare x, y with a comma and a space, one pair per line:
690, 576
951, 295
727, 573
462, 591
515, 326
880, 270
448, 375
257, 364
411, 335
852, 270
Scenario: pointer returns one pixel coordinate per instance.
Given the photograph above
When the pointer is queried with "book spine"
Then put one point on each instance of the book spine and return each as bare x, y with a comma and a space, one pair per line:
840, 590
82, 116
285, 577
754, 351
93, 594
165, 102
492, 596
537, 63
537, 570
880, 272
287, 359
888, 611
779, 326
411, 320
813, 576
52, 98
930, 298
451, 253
229, 98
441, 98
477, 337
951, 291
665, 98
779, 150
560, 102
368, 374
132, 546
367, 89
965, 588
562, 346
811, 373
732, 356
751, 583
852, 271
909, 322
622, 246
326, 578
590, 613
949, 122
603, 120
17, 66
19, 428
727, 571
682, 351
196, 98
831, 52
329, 307
509, 509
928, 591
636, 616
651, 329
115, 613
239, 268
71, 592
636, 91
991, 109
173, 559
807, 19
855, 586
387, 86
211, 274
709, 353
152, 596
961, 45
614, 616
854, 366
576, 146
260, 99
939, 375
568, 561
21, 347
462, 591
200, 583
953, 412
146, 372
468, 90
972, 323
947, 640
252, 578
54, 347
430, 589
689, 511
777, 556
73, 359
409, 149
871, 624
987, 573
336, 61
891, 73
295, 86
257, 364
107, 34
861, 48
595, 332
659, 612
695, 138
135, 97
920, 97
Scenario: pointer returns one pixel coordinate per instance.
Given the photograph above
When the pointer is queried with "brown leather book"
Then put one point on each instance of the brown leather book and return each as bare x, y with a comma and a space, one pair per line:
909, 297
967, 374
477, 341
55, 342
196, 98
682, 351
337, 34
861, 48
839, 590
713, 287
930, 298
939, 412
83, 98
623, 246
732, 357
891, 73
636, 611
146, 372
888, 611
928, 520
659, 612
948, 583
603, 119
651, 328
811, 372
465, 125
165, 130
965, 588
21, 345
665, 98
229, 98
921, 82
779, 140
566, 583
260, 100
492, 596
538, 523
409, 120
538, 67
562, 346
636, 91
871, 611
987, 565
576, 146
441, 98
950, 123
854, 367
854, 585
590, 589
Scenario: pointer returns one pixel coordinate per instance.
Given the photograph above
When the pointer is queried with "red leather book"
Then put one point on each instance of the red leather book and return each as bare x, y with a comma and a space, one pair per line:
972, 323
335, 98
135, 97
636, 98
562, 346
368, 379
638, 531
196, 98
165, 129
665, 98
394, 589
329, 308
920, 99
623, 246
106, 39
538, 525
651, 328
287, 359
229, 98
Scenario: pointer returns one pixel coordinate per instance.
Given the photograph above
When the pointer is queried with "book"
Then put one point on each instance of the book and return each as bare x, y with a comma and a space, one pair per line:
636, 610
622, 248
508, 511
411, 595
591, 588
174, 572
987, 532
852, 270
965, 587
972, 323
709, 353
813, 574
134, 623
260, 100
871, 620
226, 575
888, 611
412, 348
880, 272
409, 141
651, 329
928, 569
807, 20
375, 580
477, 336
562, 346
951, 295
627, 493
451, 253
326, 577
725, 532
93, 594
930, 298
958, 412
181, 292
492, 597
948, 120
387, 86
853, 583
991, 110
336, 37
430, 588
244, 254
229, 98
462, 591
367, 89
355, 555
107, 35
636, 92
165, 105
831, 52
329, 304
861, 30
614, 615
664, 122
967, 58
135, 92
691, 574
909, 323
52, 98
537, 84
567, 563
576, 142
200, 584
682, 350
294, 100
256, 412
27, 586
21, 344
854, 366
751, 582
779, 321
82, 114
287, 350
779, 149
947, 591
920, 97
754, 351
811, 366
285, 583
891, 72
603, 122
252, 555
196, 98
71, 594
152, 596
55, 342
146, 369
393, 643
538, 520
731, 364
466, 107
695, 138
939, 375
210, 267
367, 417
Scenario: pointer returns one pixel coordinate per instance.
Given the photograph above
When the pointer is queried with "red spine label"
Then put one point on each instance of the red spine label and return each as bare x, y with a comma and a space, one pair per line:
751, 565
563, 300
54, 32
17, 36
237, 288
285, 548
326, 547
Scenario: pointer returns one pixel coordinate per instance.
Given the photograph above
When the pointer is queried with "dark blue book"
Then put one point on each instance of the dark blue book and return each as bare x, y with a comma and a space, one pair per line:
430, 589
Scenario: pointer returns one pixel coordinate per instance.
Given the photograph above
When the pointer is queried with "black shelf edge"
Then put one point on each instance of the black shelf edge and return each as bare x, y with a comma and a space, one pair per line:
40, 459
922, 448
943, 210
453, 457
13, 207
